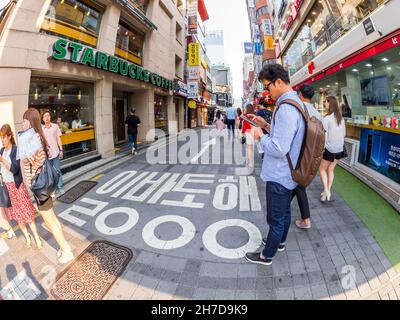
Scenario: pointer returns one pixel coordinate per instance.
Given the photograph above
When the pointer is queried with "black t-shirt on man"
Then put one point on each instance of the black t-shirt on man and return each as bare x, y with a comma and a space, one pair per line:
132, 121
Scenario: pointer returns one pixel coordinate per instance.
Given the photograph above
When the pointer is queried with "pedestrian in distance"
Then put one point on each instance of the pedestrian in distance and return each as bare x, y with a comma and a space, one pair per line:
132, 121
22, 209
335, 132
32, 161
286, 137
53, 135
247, 132
219, 123
231, 116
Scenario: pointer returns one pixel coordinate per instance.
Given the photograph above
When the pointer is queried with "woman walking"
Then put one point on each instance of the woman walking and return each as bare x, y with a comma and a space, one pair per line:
219, 123
21, 210
335, 131
248, 133
31, 164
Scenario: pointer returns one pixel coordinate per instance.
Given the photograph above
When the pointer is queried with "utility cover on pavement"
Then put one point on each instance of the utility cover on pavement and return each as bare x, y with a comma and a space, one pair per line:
77, 191
93, 272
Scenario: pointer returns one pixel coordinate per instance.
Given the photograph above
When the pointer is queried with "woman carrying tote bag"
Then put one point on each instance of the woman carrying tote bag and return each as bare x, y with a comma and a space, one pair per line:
33, 159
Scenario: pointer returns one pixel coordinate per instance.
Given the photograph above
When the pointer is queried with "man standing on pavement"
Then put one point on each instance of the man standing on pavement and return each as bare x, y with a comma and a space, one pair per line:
53, 134
231, 115
306, 92
133, 122
286, 136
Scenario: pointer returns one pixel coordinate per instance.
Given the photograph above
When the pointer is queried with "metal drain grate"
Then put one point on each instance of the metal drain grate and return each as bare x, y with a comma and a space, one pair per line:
92, 274
77, 191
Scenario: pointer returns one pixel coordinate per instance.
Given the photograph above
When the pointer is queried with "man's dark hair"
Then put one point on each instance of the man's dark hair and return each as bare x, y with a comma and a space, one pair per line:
133, 110
307, 91
273, 72
46, 111
230, 104
263, 102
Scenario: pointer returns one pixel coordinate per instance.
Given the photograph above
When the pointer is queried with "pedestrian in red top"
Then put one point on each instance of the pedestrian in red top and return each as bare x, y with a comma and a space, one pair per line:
247, 132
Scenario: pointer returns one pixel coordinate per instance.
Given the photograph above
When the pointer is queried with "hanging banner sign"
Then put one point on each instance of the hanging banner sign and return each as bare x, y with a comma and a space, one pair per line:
193, 54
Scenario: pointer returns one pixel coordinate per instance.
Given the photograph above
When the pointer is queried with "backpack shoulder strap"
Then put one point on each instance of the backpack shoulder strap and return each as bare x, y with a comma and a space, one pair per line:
304, 113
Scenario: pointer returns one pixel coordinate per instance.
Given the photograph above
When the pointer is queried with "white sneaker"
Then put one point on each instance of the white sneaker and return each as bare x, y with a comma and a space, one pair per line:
10, 234
133, 150
66, 257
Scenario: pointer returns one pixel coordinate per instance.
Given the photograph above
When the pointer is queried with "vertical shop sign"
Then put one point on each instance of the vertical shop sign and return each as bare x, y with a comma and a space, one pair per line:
193, 54
192, 16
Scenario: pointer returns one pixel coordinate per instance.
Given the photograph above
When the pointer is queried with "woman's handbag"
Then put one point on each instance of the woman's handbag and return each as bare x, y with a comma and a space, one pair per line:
5, 201
44, 183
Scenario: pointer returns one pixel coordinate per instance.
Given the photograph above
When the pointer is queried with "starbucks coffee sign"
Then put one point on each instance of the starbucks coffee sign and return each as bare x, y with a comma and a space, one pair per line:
65, 50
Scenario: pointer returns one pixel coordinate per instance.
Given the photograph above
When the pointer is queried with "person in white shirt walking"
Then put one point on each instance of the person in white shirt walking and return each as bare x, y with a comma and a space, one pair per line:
53, 135
231, 116
335, 128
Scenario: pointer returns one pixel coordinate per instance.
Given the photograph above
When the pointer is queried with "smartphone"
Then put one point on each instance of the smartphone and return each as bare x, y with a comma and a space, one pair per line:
248, 120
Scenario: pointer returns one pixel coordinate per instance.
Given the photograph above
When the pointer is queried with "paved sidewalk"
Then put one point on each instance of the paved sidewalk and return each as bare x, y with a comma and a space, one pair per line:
319, 263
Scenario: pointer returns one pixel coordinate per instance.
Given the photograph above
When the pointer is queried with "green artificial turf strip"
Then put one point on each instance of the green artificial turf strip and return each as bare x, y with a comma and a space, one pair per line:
380, 217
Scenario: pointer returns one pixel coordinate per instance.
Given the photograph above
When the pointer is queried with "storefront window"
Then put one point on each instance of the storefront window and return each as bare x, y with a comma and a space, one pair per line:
74, 20
72, 107
140, 4
160, 113
327, 21
129, 43
370, 87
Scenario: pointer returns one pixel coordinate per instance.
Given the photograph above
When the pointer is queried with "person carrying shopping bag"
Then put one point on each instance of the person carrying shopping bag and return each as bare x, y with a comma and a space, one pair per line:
22, 209
33, 149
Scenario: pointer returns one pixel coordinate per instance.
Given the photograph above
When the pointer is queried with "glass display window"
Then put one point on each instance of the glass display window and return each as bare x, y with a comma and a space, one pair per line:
327, 21
74, 20
160, 113
71, 105
129, 44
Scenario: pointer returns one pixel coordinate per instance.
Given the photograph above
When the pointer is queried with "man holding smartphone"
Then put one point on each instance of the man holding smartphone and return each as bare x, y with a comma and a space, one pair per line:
286, 136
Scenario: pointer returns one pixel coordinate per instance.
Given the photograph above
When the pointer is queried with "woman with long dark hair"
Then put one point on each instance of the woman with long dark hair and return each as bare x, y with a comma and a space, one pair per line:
335, 131
21, 210
32, 164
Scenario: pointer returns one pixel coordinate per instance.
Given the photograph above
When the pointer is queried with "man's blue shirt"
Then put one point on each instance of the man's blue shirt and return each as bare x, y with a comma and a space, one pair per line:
287, 134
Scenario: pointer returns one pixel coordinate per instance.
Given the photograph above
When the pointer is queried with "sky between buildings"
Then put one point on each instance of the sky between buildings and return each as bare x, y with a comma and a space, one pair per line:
231, 17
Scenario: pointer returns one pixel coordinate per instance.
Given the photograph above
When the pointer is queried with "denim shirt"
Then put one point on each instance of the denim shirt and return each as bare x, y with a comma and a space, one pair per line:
287, 133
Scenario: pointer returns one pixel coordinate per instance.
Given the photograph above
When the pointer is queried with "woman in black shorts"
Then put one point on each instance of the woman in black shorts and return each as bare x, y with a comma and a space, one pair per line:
335, 128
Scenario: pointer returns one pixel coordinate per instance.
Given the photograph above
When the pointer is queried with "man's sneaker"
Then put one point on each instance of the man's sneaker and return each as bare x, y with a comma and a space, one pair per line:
133, 150
254, 257
281, 247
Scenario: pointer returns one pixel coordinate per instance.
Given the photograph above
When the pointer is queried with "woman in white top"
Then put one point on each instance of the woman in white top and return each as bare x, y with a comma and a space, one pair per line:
335, 131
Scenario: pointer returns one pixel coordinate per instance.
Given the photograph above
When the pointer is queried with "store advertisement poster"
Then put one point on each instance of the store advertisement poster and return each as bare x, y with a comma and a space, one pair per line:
193, 73
193, 89
380, 151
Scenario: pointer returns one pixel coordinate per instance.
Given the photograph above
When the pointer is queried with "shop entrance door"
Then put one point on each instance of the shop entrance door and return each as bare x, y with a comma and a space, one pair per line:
119, 116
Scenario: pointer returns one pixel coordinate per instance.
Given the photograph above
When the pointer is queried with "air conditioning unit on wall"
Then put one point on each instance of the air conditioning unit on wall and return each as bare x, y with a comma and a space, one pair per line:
352, 147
